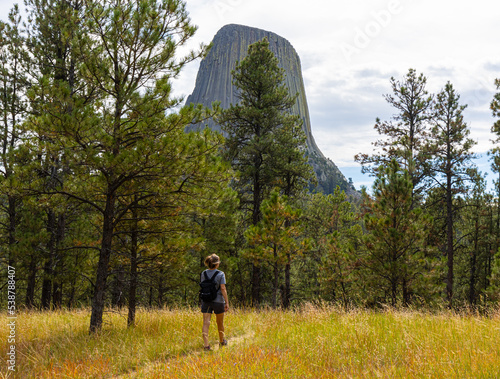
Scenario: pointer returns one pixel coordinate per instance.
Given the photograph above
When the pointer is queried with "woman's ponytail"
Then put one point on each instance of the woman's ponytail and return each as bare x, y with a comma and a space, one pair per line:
211, 261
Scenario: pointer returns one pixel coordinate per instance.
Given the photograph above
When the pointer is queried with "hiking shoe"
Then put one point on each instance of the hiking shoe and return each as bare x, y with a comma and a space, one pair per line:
223, 343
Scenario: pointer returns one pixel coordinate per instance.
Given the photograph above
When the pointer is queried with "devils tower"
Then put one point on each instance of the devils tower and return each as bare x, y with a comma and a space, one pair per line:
214, 83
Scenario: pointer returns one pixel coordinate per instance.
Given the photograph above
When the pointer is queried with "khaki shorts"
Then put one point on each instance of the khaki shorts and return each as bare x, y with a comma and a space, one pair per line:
211, 307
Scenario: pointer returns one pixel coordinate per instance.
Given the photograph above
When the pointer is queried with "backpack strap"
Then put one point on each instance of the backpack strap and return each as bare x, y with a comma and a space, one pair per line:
213, 276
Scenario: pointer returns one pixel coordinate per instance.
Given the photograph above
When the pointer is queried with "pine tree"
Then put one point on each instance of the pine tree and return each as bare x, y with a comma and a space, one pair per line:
495, 167
295, 174
275, 239
495, 157
451, 165
52, 28
396, 236
474, 252
494, 263
13, 87
120, 146
264, 141
495, 108
405, 136
336, 233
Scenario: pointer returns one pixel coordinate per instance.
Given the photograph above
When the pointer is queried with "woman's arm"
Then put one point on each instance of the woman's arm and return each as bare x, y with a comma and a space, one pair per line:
224, 295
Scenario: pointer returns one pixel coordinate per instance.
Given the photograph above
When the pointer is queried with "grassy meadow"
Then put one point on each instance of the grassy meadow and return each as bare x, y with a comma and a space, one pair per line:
310, 342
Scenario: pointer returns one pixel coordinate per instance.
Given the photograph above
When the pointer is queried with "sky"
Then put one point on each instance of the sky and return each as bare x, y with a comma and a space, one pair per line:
349, 50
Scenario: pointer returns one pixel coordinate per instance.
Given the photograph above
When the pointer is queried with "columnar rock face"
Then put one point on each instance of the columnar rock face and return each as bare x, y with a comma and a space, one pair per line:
214, 83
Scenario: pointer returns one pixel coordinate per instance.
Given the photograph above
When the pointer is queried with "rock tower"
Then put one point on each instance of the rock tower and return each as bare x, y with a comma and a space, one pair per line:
214, 83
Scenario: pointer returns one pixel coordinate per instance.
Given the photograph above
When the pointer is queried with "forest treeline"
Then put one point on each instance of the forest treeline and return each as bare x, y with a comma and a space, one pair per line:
106, 201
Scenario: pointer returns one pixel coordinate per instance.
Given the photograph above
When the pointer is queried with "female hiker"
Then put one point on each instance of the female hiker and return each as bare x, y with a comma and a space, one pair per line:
218, 303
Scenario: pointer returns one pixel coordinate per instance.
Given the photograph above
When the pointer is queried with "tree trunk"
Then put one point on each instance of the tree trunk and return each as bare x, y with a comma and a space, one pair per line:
449, 235
30, 289
288, 264
161, 289
47, 284
132, 291
394, 293
473, 268
256, 285
118, 284
57, 285
406, 300
287, 291
345, 301
103, 265
71, 297
256, 269
276, 278
57, 294
48, 271
133, 273
12, 228
150, 302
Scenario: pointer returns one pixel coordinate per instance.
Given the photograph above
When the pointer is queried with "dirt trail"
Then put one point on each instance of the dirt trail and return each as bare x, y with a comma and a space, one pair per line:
235, 341
152, 366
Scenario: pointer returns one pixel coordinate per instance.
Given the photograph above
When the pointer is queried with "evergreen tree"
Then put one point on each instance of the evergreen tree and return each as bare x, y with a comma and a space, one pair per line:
335, 229
495, 167
495, 108
396, 236
495, 158
264, 142
13, 86
162, 225
451, 165
53, 26
295, 174
494, 264
275, 239
407, 133
474, 253
121, 148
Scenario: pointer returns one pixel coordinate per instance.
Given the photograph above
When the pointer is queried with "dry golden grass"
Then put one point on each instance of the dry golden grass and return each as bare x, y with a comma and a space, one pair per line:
311, 342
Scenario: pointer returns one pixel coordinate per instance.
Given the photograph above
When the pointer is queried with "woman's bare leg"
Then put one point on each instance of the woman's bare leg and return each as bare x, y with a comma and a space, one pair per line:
220, 326
206, 326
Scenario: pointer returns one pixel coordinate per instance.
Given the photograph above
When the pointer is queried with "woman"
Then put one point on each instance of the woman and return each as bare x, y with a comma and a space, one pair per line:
217, 306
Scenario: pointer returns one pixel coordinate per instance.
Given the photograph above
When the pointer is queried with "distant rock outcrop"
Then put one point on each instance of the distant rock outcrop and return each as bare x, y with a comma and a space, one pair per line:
214, 83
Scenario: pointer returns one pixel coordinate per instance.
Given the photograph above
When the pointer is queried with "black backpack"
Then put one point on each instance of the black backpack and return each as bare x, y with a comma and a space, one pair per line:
208, 290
